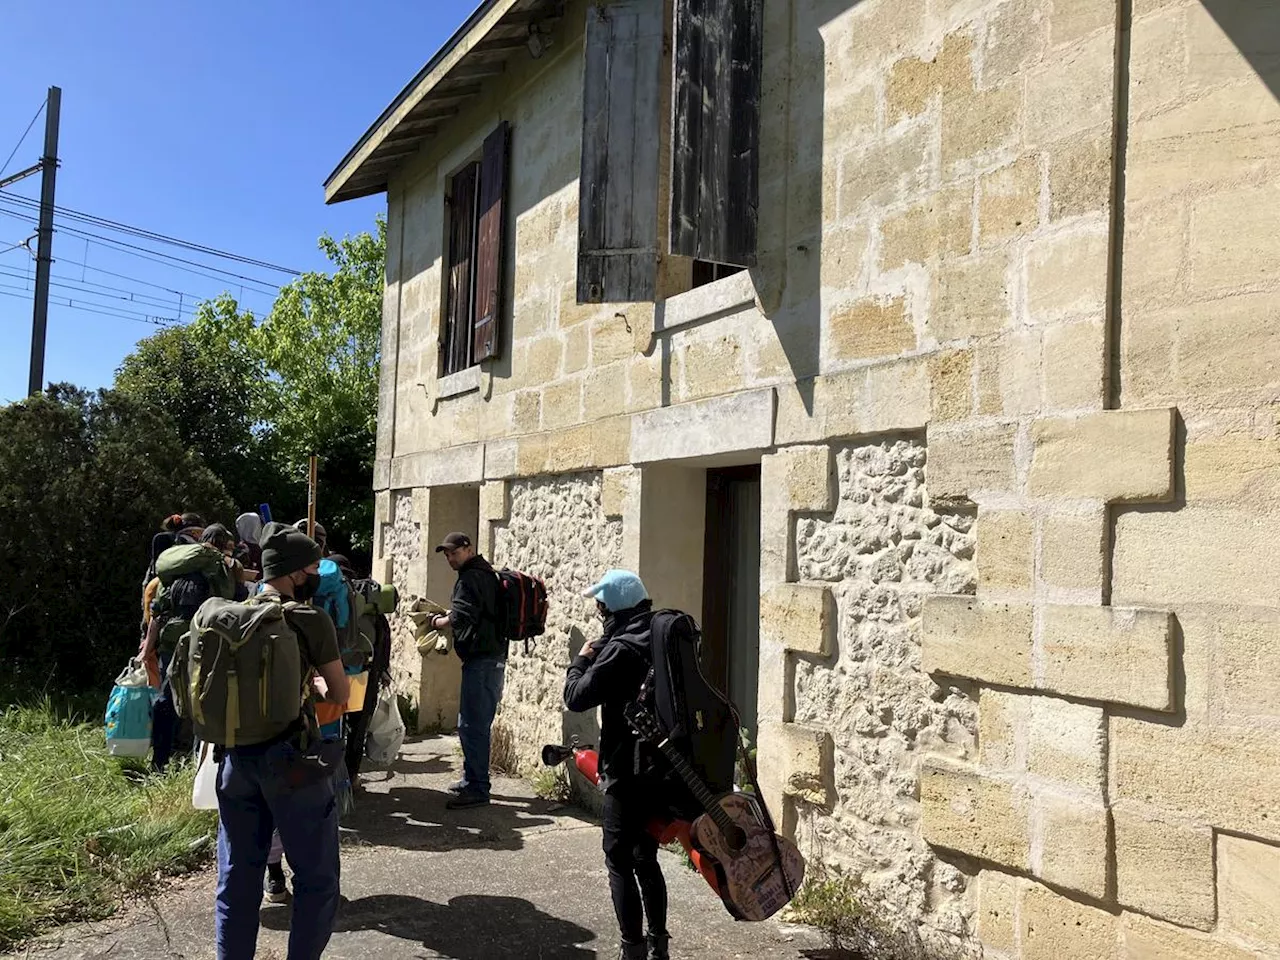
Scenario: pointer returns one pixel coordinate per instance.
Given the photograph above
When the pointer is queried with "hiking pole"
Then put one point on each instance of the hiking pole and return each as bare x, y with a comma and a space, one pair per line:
312, 467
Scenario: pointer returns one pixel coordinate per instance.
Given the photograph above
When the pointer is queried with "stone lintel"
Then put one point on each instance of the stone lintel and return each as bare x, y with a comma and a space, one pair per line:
451, 466
739, 422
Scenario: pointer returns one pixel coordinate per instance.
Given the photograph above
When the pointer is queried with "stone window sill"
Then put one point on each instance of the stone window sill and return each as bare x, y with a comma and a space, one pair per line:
723, 298
456, 384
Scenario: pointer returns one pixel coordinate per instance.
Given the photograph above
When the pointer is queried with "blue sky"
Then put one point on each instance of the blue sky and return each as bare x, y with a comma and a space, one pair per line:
215, 123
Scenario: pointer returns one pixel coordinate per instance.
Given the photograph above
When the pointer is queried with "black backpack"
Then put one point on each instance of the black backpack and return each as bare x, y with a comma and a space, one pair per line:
522, 606
699, 720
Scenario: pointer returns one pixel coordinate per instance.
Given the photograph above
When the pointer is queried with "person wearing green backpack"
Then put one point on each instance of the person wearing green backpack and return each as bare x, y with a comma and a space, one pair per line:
242, 674
190, 571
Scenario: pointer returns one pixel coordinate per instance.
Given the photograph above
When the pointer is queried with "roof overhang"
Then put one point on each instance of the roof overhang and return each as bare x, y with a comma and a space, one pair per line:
477, 52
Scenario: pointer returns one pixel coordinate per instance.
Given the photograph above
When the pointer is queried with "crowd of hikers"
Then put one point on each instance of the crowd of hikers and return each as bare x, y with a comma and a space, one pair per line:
272, 659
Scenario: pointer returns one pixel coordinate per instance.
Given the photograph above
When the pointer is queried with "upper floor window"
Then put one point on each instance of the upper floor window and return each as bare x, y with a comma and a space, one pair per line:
471, 331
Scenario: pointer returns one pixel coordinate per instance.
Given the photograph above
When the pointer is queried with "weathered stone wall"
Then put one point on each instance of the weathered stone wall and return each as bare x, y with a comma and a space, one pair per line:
941, 253
554, 528
402, 546
882, 551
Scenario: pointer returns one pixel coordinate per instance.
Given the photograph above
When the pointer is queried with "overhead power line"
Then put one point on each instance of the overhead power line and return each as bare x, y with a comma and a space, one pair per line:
109, 293
157, 256
144, 234
23, 139
16, 246
98, 309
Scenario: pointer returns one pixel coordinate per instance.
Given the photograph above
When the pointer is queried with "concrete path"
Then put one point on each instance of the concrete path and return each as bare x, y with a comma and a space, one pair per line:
522, 878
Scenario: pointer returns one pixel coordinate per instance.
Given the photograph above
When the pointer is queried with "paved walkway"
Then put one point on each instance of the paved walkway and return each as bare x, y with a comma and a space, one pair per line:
522, 878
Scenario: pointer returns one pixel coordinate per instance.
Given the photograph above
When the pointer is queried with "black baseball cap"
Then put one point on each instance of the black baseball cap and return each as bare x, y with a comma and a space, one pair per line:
453, 541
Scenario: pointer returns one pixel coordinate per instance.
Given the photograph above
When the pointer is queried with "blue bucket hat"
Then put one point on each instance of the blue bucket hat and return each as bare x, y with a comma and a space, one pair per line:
619, 590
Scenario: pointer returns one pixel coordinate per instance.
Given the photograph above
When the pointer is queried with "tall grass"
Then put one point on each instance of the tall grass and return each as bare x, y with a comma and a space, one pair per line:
79, 829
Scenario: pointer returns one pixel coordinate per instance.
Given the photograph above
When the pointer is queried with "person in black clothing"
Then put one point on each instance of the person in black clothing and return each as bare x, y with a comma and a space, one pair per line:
608, 673
474, 618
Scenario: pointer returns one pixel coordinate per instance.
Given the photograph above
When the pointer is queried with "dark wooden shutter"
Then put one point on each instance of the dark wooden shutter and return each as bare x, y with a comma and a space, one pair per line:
456, 341
716, 132
489, 245
621, 129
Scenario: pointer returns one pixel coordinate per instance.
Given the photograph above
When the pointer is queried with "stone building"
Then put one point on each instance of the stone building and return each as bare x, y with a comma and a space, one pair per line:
972, 474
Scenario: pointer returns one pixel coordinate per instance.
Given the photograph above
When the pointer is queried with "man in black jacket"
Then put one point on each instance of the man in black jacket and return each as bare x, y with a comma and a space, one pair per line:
608, 673
483, 650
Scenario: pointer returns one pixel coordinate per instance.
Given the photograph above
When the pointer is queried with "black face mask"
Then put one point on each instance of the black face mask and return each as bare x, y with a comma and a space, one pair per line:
304, 591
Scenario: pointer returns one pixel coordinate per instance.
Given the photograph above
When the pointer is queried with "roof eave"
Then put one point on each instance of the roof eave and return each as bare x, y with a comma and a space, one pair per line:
345, 182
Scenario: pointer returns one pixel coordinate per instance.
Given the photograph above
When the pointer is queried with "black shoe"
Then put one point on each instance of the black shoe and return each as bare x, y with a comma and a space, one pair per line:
467, 799
457, 787
631, 951
277, 892
658, 946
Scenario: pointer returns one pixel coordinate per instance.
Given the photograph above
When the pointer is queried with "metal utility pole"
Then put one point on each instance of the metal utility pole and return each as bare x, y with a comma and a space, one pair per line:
44, 244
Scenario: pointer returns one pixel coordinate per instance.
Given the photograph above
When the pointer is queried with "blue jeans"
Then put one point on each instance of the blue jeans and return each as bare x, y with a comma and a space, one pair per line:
164, 718
254, 799
478, 704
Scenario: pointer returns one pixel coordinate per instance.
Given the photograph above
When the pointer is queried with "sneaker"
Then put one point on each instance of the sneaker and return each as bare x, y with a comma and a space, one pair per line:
658, 949
277, 891
466, 799
456, 787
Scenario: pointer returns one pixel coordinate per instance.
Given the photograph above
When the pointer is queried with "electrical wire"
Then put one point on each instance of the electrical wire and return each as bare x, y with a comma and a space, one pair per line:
130, 296
252, 283
15, 246
140, 232
23, 139
105, 312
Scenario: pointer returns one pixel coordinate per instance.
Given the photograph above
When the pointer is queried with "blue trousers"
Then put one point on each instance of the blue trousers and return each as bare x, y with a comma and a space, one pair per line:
254, 799
164, 718
478, 704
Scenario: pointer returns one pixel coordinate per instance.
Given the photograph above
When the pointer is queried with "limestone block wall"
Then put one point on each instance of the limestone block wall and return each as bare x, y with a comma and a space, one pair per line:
959, 243
555, 528
879, 554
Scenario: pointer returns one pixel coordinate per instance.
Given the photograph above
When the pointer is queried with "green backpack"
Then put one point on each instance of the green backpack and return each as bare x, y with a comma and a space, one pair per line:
188, 558
237, 673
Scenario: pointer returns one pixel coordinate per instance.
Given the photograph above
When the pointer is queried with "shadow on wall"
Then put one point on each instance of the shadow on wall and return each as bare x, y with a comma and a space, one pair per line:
1254, 27
791, 205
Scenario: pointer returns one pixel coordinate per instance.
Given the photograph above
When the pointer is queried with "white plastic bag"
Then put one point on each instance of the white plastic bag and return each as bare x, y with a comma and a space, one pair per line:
204, 792
386, 731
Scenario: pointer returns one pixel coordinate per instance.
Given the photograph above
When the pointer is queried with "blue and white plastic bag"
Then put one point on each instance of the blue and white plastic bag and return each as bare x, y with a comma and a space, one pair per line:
128, 719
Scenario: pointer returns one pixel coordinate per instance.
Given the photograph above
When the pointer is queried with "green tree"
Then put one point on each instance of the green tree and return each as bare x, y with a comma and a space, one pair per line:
85, 479
322, 344
211, 386
257, 398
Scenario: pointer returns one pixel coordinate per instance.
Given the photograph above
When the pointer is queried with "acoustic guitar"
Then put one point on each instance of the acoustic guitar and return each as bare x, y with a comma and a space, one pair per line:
759, 871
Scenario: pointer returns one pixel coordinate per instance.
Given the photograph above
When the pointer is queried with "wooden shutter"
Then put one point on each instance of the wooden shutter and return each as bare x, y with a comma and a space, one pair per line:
456, 341
716, 131
621, 126
489, 245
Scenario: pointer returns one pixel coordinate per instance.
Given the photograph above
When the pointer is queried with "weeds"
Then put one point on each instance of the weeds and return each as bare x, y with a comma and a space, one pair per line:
79, 829
855, 930
504, 754
551, 783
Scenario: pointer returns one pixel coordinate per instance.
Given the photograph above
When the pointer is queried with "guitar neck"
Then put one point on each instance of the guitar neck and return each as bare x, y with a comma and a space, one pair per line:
696, 785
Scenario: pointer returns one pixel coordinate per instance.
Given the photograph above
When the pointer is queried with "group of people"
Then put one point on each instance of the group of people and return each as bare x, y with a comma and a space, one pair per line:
278, 792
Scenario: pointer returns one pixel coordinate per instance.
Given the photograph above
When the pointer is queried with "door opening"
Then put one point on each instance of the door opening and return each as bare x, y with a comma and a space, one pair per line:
731, 587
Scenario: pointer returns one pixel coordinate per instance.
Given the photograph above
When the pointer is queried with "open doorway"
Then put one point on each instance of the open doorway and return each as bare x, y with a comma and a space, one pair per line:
731, 586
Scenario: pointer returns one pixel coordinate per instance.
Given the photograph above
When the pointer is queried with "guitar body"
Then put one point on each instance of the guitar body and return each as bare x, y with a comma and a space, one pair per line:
760, 879
754, 881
